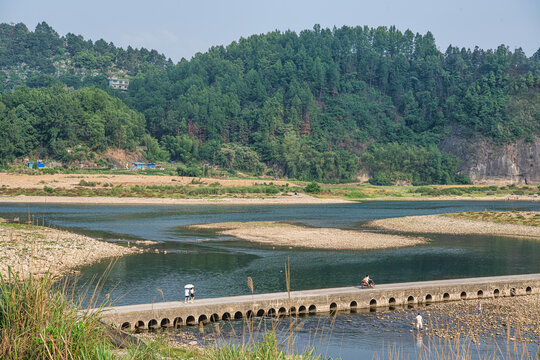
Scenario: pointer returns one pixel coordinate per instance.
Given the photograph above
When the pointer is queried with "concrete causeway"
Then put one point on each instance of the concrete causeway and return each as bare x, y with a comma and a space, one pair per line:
305, 302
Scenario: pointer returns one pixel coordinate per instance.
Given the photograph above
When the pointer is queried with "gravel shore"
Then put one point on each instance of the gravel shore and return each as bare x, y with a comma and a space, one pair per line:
35, 250
509, 318
283, 234
442, 224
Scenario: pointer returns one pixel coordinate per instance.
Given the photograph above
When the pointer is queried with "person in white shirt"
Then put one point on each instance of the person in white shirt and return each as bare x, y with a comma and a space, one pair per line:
187, 295
419, 325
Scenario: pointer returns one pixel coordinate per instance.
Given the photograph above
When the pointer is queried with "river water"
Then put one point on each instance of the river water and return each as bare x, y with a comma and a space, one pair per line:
220, 265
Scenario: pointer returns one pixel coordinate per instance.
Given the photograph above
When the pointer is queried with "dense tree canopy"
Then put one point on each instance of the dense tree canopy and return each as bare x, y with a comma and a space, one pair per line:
317, 105
310, 103
40, 57
50, 122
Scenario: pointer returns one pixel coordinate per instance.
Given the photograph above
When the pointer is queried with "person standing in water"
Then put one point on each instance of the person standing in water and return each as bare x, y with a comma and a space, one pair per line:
419, 325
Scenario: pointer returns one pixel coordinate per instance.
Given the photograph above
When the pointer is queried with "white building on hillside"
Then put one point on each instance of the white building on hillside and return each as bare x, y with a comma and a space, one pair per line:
120, 84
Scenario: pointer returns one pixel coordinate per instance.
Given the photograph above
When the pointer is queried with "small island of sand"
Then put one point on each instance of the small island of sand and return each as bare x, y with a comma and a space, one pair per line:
501, 223
285, 234
31, 249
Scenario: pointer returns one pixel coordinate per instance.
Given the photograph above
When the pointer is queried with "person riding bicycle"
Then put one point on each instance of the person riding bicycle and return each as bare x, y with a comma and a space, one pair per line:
367, 281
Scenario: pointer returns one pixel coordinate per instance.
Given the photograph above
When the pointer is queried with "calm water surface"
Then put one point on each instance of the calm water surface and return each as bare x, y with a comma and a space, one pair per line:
220, 265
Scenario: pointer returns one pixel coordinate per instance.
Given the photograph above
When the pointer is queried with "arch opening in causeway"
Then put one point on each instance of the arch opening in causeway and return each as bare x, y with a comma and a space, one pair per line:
152, 324
177, 322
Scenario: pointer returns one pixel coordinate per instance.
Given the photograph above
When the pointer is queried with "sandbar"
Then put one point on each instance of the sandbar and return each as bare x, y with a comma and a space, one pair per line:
286, 234
445, 224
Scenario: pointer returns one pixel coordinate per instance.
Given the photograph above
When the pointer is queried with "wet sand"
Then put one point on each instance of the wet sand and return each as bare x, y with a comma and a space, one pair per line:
35, 250
284, 234
444, 224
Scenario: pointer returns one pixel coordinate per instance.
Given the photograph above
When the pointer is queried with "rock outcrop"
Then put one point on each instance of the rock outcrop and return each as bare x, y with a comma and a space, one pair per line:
488, 163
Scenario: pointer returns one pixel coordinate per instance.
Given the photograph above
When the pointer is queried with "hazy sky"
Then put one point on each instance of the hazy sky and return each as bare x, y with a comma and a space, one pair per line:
181, 28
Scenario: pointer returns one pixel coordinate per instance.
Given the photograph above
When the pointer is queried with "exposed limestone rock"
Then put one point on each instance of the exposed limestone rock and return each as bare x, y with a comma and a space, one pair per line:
488, 163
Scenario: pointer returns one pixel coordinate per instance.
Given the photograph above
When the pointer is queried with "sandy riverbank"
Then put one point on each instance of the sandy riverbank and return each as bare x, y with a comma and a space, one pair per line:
35, 249
445, 224
68, 181
284, 234
526, 198
267, 200
288, 199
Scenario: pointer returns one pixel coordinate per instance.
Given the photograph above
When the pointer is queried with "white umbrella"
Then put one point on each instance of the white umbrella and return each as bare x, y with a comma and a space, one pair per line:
189, 286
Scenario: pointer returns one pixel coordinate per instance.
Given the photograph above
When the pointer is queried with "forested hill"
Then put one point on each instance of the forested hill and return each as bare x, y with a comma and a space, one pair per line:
37, 58
65, 125
326, 104
311, 102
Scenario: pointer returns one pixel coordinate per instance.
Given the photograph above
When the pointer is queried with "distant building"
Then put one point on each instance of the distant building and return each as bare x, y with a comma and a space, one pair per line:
119, 84
140, 165
40, 165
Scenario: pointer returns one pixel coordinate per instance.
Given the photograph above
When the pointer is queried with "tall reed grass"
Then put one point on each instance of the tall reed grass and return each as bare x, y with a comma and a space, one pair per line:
38, 321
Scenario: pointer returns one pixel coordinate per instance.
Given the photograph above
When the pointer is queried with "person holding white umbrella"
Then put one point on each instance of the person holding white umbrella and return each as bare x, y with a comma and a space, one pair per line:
188, 293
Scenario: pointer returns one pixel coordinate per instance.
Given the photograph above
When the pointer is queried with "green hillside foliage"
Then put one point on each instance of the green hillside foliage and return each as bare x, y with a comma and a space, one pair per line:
56, 123
312, 103
41, 57
318, 105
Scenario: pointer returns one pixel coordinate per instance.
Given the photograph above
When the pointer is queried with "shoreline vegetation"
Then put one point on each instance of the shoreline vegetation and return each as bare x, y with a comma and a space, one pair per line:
525, 224
122, 188
291, 235
38, 250
299, 199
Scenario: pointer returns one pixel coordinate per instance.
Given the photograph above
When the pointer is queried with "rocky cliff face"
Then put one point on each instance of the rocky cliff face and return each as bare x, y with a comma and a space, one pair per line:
487, 163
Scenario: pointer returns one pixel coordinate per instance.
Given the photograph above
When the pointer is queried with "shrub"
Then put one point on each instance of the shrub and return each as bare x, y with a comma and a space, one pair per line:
49, 190
191, 171
313, 187
87, 183
381, 179
463, 179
